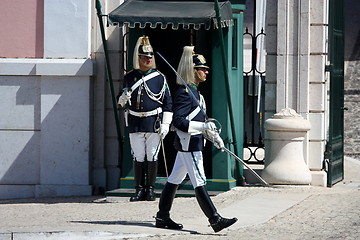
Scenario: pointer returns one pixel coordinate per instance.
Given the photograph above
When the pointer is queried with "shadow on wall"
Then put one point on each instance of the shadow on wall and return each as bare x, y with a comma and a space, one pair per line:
45, 134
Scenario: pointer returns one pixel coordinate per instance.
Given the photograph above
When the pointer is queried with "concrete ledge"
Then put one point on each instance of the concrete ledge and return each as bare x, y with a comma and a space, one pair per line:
40, 191
16, 191
46, 67
62, 190
319, 178
250, 178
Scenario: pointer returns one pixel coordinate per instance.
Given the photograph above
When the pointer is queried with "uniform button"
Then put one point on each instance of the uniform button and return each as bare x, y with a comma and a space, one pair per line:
142, 100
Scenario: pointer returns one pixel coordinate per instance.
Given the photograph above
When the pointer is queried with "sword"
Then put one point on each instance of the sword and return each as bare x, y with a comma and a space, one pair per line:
224, 149
163, 151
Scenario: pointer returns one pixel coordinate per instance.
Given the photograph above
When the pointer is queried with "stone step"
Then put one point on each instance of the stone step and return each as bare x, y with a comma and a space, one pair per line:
127, 192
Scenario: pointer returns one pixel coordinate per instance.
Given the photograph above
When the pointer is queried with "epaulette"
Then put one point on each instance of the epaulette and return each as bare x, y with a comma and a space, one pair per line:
129, 72
160, 72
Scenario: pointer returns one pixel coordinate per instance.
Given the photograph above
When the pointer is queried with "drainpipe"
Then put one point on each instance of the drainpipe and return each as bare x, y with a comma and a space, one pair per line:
110, 80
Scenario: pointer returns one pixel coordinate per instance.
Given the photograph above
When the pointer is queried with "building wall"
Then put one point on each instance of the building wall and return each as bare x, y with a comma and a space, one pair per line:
22, 28
67, 28
45, 108
57, 130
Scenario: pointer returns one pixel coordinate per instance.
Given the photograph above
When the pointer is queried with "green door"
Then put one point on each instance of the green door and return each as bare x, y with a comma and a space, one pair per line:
335, 144
232, 173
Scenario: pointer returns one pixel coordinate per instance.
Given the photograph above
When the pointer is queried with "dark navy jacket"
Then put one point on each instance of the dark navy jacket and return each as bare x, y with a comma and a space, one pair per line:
183, 105
141, 102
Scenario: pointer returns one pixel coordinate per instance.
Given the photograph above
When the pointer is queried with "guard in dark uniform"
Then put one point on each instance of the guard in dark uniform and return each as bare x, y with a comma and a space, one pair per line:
149, 114
190, 124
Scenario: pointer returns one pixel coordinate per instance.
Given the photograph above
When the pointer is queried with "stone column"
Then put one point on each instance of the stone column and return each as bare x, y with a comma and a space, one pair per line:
285, 164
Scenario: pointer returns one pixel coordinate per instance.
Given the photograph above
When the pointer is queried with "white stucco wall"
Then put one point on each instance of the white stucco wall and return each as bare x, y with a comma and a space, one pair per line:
67, 28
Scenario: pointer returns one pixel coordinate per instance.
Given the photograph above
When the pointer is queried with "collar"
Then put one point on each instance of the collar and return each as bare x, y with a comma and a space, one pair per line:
144, 73
193, 86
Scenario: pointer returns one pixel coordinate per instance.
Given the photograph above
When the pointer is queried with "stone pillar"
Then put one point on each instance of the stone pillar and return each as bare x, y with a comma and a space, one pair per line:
285, 164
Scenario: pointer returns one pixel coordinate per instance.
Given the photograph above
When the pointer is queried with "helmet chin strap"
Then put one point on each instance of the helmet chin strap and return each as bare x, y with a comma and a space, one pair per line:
199, 76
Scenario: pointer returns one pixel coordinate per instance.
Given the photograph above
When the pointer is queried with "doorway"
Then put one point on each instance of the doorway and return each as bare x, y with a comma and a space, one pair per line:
169, 43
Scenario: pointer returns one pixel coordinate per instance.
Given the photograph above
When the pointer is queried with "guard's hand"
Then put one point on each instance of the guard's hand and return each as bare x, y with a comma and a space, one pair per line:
210, 129
164, 129
125, 96
218, 142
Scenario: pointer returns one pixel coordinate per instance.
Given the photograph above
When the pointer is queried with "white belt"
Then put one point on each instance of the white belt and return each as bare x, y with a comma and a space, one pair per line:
146, 114
144, 79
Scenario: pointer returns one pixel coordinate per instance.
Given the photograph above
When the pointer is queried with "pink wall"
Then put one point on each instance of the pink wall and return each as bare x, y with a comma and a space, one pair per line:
22, 28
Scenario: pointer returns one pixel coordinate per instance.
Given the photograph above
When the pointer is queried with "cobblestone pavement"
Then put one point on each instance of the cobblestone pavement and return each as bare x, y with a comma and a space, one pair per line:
326, 214
321, 213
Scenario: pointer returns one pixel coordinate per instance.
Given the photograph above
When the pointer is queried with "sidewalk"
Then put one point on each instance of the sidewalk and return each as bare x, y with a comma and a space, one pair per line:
286, 212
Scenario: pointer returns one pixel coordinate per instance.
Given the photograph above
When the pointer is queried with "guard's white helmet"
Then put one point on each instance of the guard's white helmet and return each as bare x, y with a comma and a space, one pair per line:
144, 48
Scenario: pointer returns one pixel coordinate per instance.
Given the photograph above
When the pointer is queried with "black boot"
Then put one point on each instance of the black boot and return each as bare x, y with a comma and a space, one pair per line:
163, 219
149, 193
139, 179
217, 222
139, 194
151, 178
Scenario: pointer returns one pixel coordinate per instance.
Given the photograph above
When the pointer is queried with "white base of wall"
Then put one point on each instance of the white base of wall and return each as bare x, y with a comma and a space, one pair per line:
319, 178
17, 191
41, 191
62, 190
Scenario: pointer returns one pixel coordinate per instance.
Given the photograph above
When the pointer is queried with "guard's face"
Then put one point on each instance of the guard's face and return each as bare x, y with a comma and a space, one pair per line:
145, 62
200, 74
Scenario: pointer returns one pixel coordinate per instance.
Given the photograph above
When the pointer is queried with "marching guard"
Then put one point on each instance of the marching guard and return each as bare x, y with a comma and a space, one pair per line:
148, 116
189, 121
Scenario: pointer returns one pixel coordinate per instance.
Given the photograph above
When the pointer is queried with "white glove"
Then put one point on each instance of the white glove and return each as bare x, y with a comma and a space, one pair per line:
165, 125
164, 129
218, 142
195, 126
125, 96
211, 129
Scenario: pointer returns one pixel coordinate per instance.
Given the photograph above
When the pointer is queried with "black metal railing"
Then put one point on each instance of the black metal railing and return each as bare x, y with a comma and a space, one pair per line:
254, 92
